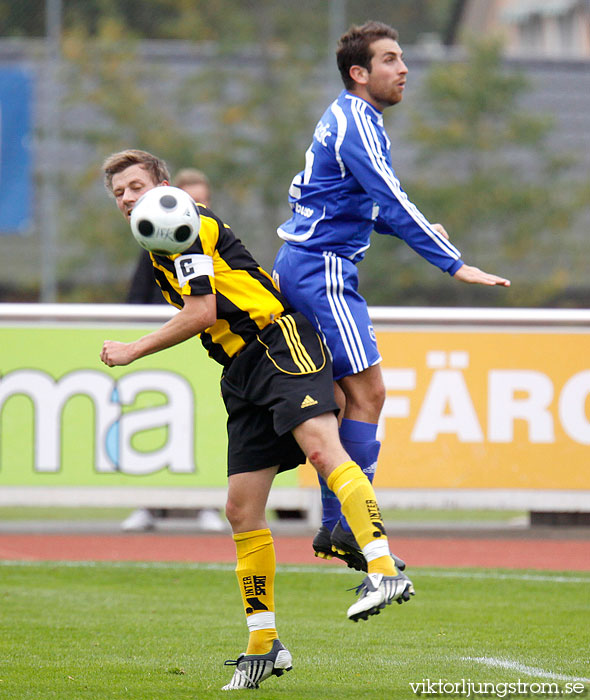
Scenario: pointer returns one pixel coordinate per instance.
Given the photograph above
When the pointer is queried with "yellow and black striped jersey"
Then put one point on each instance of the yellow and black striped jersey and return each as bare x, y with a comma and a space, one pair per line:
218, 263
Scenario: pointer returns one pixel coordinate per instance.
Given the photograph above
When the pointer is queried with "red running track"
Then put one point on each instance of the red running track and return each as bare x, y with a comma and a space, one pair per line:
509, 553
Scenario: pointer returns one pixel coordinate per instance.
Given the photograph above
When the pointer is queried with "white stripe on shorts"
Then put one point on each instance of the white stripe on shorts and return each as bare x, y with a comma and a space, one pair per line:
342, 315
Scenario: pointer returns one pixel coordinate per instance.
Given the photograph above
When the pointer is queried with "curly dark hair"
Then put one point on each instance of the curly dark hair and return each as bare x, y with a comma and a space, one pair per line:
354, 47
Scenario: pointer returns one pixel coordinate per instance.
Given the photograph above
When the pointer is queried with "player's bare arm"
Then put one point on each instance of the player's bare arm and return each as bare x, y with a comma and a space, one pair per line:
197, 314
473, 275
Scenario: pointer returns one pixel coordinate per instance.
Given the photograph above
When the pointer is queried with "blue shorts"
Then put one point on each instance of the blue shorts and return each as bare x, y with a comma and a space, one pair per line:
323, 286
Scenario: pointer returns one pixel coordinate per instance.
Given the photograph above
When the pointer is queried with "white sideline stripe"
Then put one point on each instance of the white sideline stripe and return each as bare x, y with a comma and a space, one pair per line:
293, 569
494, 575
498, 662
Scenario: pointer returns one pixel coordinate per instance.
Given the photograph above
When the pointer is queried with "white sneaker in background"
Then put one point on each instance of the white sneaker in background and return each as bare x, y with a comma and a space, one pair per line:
209, 519
139, 521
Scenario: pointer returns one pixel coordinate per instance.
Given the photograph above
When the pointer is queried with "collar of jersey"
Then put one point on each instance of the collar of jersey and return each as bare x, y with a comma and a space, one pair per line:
376, 113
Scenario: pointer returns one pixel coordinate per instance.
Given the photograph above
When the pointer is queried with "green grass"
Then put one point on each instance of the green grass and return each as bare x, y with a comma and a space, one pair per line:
110, 631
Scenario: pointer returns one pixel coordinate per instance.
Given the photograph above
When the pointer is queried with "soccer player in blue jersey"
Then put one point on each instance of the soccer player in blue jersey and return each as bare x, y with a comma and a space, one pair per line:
347, 190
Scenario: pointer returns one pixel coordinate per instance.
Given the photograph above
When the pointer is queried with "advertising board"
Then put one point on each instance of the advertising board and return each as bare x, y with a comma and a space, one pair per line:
472, 406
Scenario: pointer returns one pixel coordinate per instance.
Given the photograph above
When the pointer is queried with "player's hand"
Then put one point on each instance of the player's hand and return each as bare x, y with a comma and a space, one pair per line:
473, 275
114, 353
439, 228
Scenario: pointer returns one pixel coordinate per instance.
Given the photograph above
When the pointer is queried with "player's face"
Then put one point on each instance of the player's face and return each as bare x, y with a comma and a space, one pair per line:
129, 185
387, 79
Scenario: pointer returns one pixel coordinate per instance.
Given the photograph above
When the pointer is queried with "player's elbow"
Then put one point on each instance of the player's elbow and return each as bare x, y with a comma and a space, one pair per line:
210, 310
208, 318
200, 312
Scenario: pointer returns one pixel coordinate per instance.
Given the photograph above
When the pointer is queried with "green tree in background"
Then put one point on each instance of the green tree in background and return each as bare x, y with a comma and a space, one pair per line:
253, 102
262, 68
261, 110
240, 101
489, 178
108, 82
229, 21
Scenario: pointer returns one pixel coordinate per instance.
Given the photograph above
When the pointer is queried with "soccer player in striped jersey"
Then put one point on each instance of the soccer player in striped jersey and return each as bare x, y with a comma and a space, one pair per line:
348, 189
278, 391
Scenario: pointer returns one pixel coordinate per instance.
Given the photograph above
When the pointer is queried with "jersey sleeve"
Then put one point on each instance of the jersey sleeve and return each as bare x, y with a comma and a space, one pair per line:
365, 154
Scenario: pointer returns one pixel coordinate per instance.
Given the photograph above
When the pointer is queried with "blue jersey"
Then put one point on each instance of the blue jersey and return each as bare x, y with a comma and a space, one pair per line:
349, 188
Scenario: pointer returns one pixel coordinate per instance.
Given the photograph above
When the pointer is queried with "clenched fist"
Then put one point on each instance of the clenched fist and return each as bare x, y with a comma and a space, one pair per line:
115, 353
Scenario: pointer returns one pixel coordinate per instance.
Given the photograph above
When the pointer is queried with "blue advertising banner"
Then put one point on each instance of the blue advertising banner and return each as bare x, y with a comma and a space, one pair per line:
15, 158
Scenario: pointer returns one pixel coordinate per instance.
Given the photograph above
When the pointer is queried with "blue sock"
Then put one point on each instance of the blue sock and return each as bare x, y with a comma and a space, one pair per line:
359, 439
330, 505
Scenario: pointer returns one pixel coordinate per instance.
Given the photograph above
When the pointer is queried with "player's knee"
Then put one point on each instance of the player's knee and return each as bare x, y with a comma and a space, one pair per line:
376, 398
368, 406
235, 513
369, 402
320, 460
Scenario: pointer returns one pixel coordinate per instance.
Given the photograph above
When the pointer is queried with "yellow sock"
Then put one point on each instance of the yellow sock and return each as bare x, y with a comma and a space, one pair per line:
359, 506
255, 569
260, 641
382, 565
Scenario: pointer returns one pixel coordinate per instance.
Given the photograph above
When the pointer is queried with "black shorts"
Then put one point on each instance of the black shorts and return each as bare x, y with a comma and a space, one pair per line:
278, 381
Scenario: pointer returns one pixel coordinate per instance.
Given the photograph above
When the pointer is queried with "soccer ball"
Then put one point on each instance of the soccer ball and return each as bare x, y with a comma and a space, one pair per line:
165, 220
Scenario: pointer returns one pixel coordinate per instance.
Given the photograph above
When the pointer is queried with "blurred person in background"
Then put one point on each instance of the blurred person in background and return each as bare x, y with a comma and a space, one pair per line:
144, 290
348, 189
196, 183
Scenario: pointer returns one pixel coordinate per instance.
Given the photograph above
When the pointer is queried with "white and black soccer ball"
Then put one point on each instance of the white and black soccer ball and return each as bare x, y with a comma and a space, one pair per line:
165, 220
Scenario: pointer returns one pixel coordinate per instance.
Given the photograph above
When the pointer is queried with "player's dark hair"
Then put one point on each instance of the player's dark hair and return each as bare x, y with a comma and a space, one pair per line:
354, 47
117, 162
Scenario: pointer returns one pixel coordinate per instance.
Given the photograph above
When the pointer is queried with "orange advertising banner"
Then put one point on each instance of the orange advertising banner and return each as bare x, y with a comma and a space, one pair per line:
484, 409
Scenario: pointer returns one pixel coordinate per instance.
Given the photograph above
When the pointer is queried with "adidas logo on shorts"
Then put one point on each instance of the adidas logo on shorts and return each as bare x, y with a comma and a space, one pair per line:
308, 401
